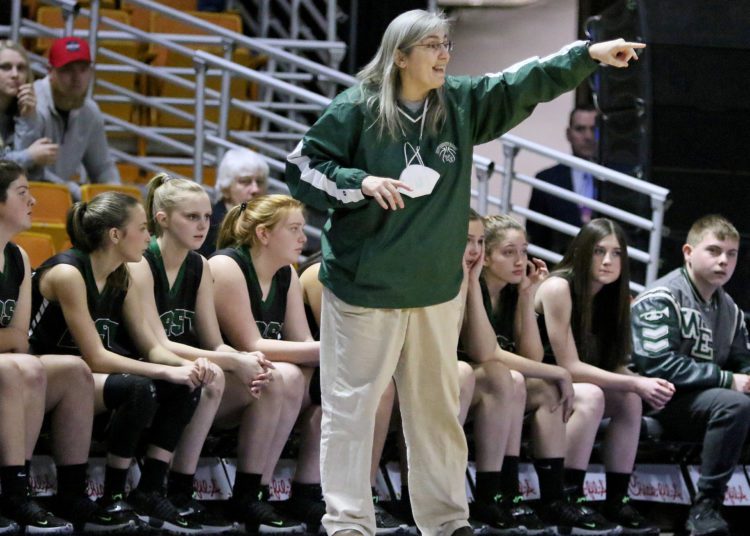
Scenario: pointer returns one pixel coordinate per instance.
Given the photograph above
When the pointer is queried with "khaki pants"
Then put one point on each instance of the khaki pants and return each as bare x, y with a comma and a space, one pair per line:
361, 349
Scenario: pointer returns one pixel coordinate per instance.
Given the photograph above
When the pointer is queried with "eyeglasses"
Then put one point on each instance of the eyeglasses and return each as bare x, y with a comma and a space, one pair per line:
437, 47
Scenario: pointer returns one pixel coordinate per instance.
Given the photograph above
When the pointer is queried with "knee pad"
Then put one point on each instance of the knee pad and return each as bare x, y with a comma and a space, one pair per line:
133, 399
177, 404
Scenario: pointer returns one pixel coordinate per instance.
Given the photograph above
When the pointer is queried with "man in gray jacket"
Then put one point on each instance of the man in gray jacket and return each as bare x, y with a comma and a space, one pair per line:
72, 120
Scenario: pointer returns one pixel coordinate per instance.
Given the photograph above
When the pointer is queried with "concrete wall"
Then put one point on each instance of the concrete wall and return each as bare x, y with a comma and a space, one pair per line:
491, 39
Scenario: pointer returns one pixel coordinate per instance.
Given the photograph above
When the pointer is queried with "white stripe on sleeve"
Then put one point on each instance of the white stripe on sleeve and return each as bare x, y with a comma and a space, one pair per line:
320, 181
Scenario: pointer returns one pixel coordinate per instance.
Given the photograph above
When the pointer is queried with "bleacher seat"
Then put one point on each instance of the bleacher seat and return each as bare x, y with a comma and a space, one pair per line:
52, 202
39, 246
89, 191
32, 6
50, 211
56, 231
131, 174
240, 88
209, 173
182, 5
52, 17
141, 16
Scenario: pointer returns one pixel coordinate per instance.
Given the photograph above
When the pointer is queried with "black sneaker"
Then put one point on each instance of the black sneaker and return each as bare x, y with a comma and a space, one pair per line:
116, 508
526, 517
258, 515
497, 516
89, 516
307, 509
385, 523
33, 519
705, 519
632, 522
479, 528
157, 511
7, 526
577, 518
402, 509
198, 513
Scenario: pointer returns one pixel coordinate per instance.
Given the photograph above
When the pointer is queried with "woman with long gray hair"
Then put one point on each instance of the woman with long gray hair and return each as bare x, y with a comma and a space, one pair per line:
392, 158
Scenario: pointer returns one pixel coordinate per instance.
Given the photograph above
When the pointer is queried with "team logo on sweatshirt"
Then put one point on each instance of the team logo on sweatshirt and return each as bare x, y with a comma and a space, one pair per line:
447, 152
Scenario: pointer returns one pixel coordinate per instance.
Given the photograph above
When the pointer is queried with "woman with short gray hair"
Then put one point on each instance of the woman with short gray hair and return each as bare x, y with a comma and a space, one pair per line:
242, 175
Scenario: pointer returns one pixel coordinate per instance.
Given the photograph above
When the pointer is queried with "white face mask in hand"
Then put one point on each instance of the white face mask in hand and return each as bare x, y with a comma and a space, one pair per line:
419, 177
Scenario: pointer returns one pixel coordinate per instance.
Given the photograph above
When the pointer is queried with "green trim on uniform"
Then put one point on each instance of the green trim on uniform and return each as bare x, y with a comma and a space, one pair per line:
269, 314
176, 304
251, 278
161, 273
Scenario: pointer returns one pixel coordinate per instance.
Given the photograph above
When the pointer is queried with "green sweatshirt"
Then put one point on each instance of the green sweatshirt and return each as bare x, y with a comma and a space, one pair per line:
412, 257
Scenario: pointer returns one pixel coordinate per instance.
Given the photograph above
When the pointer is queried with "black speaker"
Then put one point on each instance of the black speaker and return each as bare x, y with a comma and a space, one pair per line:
623, 139
680, 113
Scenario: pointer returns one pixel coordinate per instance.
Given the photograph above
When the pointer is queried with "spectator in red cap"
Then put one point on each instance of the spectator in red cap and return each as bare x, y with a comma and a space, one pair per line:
72, 120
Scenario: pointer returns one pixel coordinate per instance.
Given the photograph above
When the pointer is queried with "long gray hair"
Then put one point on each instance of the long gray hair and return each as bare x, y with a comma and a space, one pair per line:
380, 79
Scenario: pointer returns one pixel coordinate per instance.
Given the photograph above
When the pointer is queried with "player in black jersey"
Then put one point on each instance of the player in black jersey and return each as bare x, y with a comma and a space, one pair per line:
501, 313
177, 294
584, 308
259, 306
81, 301
32, 386
497, 407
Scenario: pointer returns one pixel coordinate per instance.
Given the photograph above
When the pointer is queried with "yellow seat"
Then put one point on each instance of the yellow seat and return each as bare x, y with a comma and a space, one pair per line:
56, 231
181, 5
39, 246
209, 173
140, 16
131, 173
239, 87
31, 6
52, 202
89, 191
127, 111
52, 17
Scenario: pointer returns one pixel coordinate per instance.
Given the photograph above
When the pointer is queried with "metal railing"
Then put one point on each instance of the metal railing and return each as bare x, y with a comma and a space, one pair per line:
657, 195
